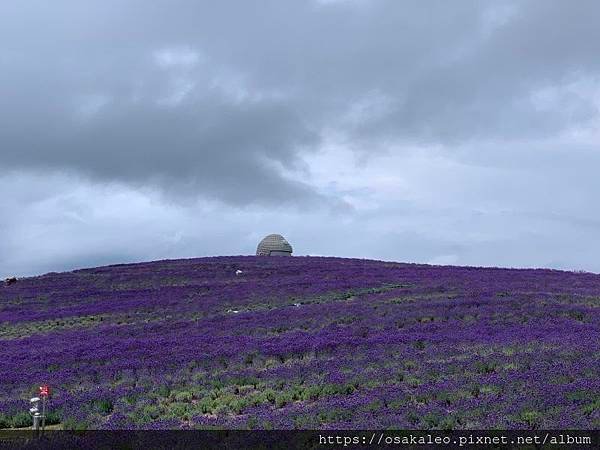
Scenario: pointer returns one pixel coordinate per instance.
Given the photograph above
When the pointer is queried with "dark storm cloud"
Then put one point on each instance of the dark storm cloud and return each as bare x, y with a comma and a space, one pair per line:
217, 150
202, 97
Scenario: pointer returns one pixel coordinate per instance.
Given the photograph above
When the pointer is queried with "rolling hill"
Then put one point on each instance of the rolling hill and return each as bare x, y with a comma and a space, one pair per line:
303, 342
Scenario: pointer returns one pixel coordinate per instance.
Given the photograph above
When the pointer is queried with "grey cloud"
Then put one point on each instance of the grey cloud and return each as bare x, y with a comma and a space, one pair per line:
215, 149
447, 76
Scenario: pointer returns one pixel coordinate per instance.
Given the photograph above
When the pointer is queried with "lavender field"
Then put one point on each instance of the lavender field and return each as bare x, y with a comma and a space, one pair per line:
303, 342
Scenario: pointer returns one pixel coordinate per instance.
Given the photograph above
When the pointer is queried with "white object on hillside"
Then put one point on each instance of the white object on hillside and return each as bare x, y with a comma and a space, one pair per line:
238, 272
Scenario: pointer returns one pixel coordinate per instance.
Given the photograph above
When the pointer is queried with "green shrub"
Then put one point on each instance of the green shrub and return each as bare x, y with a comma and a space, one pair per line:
579, 394
349, 388
422, 398
531, 418
217, 384
311, 393
249, 358
252, 423
239, 404
490, 389
269, 395
485, 366
591, 407
330, 389
183, 396
374, 406
297, 393
206, 405
448, 423
279, 384
431, 420
149, 412
180, 410
163, 391
4, 421
244, 381
130, 399
21, 420
412, 417
410, 365
72, 424
104, 406
283, 399
419, 344
53, 417
397, 404
413, 381
303, 422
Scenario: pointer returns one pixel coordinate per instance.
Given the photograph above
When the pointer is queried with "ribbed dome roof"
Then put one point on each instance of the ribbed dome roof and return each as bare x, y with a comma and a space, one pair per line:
273, 244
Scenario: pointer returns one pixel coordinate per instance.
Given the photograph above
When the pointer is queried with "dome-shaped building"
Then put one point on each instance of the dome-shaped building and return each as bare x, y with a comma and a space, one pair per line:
274, 245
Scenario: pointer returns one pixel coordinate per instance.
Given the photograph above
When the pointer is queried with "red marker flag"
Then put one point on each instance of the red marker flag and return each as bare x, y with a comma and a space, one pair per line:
45, 390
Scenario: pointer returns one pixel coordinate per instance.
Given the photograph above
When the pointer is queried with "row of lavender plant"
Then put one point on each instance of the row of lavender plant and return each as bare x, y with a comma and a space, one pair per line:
303, 343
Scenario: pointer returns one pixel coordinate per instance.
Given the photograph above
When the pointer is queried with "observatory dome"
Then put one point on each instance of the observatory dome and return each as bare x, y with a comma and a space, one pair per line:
274, 245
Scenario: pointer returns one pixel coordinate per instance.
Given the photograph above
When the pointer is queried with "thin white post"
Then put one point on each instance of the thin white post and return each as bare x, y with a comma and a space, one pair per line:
36, 423
43, 413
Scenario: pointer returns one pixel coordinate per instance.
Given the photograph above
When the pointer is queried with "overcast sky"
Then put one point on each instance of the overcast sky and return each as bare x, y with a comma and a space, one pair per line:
463, 132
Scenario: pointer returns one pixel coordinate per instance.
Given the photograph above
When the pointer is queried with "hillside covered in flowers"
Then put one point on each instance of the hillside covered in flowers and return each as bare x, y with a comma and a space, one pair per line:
303, 342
